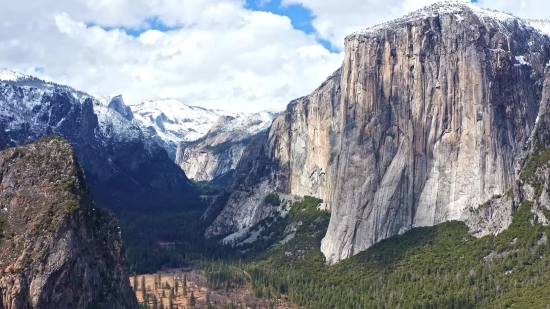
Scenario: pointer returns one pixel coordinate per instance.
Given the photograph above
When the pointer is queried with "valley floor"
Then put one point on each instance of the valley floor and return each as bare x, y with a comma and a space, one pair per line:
197, 284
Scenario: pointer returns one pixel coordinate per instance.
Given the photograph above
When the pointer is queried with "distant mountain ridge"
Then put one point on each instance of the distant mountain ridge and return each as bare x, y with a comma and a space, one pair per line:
219, 151
170, 121
123, 165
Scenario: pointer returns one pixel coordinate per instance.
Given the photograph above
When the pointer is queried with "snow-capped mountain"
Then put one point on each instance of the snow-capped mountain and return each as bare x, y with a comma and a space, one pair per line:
123, 165
117, 104
219, 151
170, 121
11, 76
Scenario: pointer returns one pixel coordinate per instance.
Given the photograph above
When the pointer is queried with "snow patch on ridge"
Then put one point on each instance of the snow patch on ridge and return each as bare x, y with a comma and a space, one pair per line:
521, 61
246, 124
439, 9
174, 121
12, 76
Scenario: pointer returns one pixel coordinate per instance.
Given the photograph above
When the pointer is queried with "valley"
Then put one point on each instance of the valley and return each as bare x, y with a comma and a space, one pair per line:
416, 176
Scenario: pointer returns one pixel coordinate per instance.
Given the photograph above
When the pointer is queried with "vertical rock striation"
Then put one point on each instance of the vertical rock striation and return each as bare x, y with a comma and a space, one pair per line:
216, 154
57, 249
430, 115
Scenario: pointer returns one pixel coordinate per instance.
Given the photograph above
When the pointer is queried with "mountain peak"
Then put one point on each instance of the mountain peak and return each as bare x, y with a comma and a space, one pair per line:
116, 103
455, 8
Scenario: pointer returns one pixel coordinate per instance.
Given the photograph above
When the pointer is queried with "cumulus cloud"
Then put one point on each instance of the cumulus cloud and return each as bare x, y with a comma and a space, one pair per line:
213, 53
334, 20
218, 55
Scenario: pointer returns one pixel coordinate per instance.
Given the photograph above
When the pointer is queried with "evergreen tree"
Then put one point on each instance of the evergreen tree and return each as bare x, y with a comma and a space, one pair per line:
135, 283
191, 302
171, 300
184, 286
177, 284
155, 303
143, 291
208, 303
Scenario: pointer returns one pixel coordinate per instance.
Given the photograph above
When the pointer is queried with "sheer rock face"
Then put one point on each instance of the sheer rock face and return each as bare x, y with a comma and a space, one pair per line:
57, 249
217, 153
429, 116
292, 157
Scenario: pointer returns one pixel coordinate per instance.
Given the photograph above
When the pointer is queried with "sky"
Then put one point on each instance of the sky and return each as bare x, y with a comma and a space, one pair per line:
240, 55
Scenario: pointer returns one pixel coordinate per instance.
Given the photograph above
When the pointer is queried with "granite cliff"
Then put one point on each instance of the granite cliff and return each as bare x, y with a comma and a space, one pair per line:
429, 117
217, 153
57, 249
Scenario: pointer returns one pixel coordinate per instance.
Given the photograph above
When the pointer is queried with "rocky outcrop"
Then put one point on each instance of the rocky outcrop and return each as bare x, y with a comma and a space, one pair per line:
125, 168
532, 185
429, 117
57, 249
219, 151
117, 104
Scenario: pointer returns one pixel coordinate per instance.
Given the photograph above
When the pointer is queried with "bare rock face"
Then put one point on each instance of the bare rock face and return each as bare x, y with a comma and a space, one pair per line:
57, 249
429, 117
292, 157
218, 152
439, 111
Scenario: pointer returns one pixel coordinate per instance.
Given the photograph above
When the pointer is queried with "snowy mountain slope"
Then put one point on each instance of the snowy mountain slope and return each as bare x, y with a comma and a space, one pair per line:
541, 25
123, 165
499, 20
15, 78
242, 125
170, 121
219, 151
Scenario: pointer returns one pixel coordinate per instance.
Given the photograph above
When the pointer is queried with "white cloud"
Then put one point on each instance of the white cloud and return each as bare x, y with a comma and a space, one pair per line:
220, 56
334, 20
534, 9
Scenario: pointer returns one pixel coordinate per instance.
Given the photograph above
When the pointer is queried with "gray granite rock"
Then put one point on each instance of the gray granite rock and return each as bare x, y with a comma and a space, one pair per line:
429, 116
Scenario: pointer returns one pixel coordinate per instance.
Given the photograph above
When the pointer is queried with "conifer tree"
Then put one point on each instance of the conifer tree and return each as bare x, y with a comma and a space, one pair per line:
171, 300
191, 302
184, 287
208, 304
135, 283
143, 292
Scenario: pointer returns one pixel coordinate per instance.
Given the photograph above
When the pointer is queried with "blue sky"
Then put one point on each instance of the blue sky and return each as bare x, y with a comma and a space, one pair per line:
300, 17
231, 56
